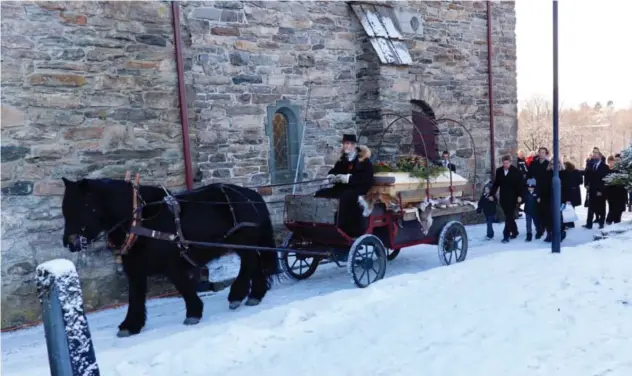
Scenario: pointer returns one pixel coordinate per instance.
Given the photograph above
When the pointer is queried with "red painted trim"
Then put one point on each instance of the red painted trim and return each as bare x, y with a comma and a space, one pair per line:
490, 88
182, 96
427, 240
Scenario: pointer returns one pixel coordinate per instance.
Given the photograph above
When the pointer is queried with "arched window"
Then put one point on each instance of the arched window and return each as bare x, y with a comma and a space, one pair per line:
280, 141
284, 130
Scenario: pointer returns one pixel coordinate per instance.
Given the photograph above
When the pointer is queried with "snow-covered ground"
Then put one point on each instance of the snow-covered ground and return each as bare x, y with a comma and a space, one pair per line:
511, 309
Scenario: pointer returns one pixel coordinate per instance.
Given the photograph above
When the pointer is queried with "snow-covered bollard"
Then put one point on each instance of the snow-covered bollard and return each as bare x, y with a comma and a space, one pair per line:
70, 349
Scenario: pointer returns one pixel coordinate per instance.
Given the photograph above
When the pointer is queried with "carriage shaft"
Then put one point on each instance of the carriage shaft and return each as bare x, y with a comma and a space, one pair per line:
254, 248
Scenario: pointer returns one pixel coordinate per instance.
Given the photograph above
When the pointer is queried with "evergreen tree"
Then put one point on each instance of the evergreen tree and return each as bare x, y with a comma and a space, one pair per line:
624, 166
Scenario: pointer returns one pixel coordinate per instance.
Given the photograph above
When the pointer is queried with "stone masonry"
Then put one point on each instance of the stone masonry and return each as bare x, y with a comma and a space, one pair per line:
89, 89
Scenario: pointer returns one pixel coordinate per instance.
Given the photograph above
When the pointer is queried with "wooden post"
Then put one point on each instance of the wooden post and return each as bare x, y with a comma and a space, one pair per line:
70, 349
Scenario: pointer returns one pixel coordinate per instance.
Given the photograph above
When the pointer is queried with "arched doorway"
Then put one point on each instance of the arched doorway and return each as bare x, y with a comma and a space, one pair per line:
425, 132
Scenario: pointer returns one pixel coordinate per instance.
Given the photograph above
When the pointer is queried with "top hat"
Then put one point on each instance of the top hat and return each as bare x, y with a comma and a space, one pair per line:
349, 138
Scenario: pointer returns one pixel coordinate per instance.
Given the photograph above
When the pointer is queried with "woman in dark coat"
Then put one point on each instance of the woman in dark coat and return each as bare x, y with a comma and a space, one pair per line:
571, 192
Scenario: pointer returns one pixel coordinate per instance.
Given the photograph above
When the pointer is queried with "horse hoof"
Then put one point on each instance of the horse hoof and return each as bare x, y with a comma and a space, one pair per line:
122, 333
191, 320
252, 302
234, 305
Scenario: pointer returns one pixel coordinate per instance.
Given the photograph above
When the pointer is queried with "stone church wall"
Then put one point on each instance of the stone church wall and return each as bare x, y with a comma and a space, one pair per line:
90, 90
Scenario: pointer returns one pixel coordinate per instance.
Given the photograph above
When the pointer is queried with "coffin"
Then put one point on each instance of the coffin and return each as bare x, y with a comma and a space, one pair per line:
410, 190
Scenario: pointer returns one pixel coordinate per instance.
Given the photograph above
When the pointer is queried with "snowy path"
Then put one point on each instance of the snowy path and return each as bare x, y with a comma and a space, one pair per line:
507, 313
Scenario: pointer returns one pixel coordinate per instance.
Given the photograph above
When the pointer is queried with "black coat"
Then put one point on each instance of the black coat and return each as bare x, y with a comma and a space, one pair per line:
538, 171
571, 187
450, 166
594, 178
485, 206
546, 186
522, 166
511, 186
360, 168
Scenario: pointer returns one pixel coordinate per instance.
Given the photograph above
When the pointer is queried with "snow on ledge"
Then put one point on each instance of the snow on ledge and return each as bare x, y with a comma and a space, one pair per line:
57, 267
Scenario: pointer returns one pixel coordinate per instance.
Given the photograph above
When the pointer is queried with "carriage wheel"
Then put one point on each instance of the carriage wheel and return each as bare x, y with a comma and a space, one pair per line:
367, 260
452, 245
392, 254
297, 265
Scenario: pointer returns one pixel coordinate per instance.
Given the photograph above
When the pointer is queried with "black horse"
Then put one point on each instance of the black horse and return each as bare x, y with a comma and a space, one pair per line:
92, 208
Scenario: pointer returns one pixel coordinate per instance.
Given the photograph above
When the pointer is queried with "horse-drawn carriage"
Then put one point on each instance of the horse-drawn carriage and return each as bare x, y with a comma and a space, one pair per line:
316, 238
403, 209
406, 206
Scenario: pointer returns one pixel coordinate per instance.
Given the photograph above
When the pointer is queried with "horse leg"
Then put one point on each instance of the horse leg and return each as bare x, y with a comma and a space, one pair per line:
240, 287
258, 286
179, 276
136, 312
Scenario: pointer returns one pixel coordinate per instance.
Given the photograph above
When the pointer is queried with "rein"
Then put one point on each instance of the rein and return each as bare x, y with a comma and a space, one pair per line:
136, 229
173, 202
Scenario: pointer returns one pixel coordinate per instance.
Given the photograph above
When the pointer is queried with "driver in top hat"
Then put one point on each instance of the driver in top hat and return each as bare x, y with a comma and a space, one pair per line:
352, 176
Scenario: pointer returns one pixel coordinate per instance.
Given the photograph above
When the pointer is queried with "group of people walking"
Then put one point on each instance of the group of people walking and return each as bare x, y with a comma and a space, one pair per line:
530, 182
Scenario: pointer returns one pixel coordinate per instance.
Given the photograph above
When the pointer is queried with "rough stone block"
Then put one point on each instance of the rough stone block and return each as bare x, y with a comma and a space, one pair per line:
75, 19
212, 14
71, 80
18, 188
229, 31
48, 188
152, 40
13, 153
103, 54
247, 79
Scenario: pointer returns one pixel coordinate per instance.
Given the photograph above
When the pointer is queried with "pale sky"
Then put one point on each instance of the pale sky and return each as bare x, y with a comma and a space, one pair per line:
595, 50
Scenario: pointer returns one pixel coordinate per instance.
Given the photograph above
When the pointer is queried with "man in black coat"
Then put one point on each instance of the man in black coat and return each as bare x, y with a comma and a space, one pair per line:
445, 161
539, 166
595, 171
539, 171
352, 176
509, 180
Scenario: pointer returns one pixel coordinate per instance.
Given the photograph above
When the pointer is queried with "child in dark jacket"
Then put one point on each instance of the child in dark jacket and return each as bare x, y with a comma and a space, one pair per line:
488, 208
531, 201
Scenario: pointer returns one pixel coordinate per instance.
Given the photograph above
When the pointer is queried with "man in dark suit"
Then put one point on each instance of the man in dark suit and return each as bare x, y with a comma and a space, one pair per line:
595, 171
509, 180
445, 161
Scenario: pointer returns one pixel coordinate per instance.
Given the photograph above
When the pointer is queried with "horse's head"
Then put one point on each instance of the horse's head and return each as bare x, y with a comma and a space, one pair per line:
83, 214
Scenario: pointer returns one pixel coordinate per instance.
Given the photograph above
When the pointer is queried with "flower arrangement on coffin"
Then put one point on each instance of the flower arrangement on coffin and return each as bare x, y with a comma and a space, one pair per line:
416, 166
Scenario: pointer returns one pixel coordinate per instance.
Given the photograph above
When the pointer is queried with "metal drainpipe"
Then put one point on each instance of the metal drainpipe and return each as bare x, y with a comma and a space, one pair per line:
490, 88
182, 96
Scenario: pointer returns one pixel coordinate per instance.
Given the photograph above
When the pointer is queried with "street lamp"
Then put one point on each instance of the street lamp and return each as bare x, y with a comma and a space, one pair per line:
557, 185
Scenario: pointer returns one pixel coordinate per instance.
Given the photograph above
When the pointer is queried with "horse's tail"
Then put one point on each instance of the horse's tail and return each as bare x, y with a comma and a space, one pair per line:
269, 260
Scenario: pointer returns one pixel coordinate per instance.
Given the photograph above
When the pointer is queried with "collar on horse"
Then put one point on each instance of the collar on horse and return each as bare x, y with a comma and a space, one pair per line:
130, 237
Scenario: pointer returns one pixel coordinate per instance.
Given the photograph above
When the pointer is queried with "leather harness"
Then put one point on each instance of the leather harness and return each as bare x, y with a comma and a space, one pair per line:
136, 228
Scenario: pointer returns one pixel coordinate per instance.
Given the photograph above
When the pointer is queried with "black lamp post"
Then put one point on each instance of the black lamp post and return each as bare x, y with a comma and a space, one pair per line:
557, 184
